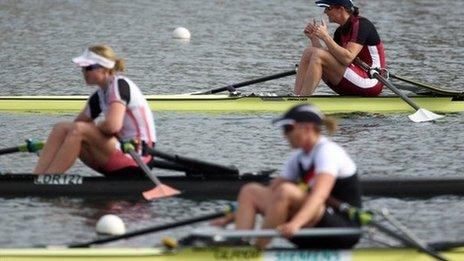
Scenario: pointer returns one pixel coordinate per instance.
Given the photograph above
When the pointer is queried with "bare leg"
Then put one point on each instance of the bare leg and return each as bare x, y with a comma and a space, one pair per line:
82, 136
302, 68
54, 141
321, 63
250, 202
253, 199
286, 199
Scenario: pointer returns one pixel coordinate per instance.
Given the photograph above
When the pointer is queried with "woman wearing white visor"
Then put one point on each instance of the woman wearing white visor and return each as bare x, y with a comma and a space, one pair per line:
127, 116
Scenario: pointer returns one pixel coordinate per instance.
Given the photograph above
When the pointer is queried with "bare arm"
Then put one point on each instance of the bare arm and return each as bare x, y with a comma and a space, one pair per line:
313, 204
113, 119
83, 117
344, 55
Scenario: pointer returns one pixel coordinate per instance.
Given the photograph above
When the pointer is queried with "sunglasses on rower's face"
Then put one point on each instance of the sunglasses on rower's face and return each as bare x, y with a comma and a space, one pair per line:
288, 129
91, 67
328, 8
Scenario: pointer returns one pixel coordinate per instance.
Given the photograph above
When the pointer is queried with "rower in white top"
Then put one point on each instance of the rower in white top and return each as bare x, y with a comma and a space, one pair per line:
319, 169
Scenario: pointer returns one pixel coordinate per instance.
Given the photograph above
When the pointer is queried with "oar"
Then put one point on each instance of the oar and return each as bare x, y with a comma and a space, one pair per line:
194, 163
426, 86
234, 86
421, 114
367, 218
30, 146
446, 245
157, 228
160, 190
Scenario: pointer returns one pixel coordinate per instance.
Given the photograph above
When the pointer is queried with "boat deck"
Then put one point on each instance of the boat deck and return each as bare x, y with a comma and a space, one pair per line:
330, 104
219, 253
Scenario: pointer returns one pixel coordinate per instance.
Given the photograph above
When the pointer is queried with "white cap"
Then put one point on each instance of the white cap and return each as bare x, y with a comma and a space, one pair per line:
90, 58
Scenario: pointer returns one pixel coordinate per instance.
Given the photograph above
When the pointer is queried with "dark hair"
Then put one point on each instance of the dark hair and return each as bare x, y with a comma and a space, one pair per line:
355, 11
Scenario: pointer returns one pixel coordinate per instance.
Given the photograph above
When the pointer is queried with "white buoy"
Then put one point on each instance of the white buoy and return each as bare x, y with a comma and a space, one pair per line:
181, 33
110, 225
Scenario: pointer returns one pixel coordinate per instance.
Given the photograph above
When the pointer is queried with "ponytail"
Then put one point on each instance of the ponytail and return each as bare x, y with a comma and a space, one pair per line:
118, 66
355, 11
330, 124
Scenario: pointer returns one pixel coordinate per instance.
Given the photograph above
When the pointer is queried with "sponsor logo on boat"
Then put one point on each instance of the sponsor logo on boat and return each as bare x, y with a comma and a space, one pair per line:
58, 180
236, 254
324, 255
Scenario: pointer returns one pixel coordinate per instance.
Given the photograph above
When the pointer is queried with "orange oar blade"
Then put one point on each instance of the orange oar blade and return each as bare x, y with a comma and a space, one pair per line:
160, 191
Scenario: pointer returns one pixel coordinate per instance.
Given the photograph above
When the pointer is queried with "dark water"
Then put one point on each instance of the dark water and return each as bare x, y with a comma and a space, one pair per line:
231, 41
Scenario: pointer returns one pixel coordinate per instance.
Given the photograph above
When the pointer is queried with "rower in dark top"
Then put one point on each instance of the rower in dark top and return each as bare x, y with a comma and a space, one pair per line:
318, 169
355, 37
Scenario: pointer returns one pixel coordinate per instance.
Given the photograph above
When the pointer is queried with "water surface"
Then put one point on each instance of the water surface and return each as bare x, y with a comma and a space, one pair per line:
231, 41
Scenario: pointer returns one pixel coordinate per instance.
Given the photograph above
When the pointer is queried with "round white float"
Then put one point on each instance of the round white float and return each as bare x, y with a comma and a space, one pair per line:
110, 225
181, 33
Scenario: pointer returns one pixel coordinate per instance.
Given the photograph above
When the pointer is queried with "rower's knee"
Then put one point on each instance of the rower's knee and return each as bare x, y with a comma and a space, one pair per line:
283, 192
249, 190
251, 193
309, 52
62, 126
318, 55
78, 129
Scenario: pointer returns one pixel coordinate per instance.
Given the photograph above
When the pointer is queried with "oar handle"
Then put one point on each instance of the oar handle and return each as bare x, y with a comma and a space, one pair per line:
250, 82
355, 214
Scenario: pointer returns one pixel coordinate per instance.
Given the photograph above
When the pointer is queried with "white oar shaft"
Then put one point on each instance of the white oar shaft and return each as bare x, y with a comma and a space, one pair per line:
307, 232
144, 167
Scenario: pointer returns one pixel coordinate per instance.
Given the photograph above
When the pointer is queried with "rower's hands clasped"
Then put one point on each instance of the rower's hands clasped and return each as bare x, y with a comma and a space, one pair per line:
310, 29
316, 31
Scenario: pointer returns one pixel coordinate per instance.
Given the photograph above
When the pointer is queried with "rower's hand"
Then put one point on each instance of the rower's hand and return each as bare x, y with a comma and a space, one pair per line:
288, 229
310, 29
223, 221
322, 31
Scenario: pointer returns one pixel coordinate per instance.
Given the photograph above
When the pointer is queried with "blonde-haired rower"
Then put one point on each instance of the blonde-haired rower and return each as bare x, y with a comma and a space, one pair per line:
127, 117
318, 169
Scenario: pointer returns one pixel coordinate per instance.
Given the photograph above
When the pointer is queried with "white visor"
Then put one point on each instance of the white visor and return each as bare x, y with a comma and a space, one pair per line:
90, 58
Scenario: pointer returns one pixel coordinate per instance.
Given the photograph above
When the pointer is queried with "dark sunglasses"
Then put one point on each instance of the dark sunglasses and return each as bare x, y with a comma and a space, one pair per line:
288, 128
91, 67
328, 8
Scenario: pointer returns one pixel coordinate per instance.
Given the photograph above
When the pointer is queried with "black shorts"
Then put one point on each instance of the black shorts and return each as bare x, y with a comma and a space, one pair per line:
330, 218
